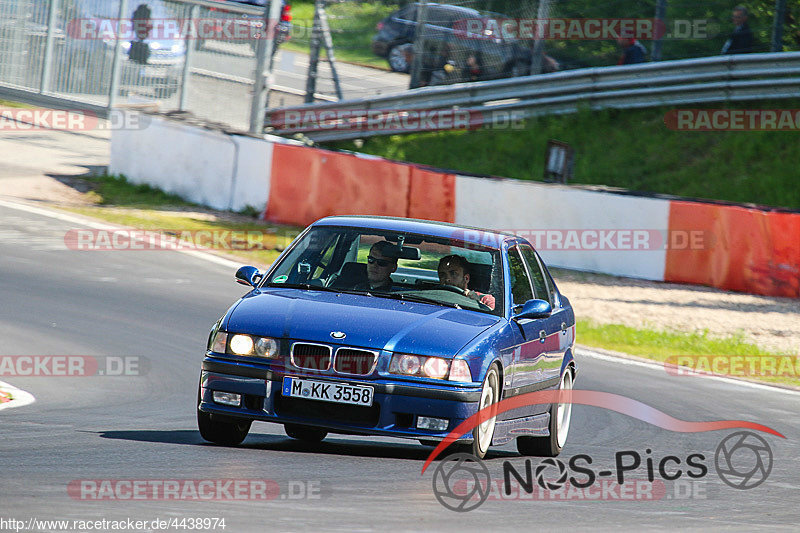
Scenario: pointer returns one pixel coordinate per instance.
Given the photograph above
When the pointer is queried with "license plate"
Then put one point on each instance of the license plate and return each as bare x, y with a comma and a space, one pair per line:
327, 391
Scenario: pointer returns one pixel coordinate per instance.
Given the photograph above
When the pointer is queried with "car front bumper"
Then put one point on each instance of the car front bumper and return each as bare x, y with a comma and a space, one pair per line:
396, 405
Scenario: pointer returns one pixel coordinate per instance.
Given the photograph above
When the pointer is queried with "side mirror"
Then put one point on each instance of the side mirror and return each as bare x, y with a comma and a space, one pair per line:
248, 275
534, 309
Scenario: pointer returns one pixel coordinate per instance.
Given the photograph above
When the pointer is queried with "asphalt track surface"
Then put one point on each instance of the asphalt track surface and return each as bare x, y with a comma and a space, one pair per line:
160, 305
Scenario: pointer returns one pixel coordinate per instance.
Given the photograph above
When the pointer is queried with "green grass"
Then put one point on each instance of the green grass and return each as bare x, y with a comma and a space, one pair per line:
352, 27
659, 345
111, 190
632, 149
11, 103
143, 207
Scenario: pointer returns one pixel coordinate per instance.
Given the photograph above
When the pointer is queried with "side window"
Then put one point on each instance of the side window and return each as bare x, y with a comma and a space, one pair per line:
520, 283
442, 17
407, 13
537, 276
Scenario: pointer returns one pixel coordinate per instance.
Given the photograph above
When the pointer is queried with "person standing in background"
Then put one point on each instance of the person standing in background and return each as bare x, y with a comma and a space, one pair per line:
741, 40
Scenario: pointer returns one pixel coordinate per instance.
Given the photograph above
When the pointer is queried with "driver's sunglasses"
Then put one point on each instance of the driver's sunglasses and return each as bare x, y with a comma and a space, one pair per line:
383, 263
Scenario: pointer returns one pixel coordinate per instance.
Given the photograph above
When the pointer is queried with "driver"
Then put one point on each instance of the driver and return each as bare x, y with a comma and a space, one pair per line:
454, 270
379, 268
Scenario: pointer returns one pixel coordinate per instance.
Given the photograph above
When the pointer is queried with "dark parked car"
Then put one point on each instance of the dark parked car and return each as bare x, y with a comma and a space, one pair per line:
448, 39
393, 327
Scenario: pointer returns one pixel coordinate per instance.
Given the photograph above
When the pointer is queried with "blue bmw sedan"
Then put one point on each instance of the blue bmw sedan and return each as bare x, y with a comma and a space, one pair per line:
393, 327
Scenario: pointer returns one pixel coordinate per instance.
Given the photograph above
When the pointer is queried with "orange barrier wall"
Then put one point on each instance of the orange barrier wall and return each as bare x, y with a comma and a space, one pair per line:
432, 195
307, 184
741, 249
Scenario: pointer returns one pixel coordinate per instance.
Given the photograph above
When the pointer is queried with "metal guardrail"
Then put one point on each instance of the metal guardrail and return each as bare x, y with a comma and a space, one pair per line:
710, 79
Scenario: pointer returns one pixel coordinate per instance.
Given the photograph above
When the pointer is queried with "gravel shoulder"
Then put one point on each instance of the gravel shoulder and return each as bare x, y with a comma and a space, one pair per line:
768, 322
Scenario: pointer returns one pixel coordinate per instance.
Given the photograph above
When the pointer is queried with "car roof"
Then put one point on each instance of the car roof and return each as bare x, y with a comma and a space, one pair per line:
450, 7
470, 234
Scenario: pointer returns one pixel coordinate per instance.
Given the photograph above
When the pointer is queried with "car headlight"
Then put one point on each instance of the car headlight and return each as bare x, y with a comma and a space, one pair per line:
241, 344
417, 365
266, 347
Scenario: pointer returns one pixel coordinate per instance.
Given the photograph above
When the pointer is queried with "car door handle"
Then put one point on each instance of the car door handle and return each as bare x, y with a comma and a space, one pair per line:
542, 336
564, 328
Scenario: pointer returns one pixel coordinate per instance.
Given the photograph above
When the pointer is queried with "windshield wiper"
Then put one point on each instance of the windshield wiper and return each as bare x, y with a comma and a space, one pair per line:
310, 287
307, 286
418, 299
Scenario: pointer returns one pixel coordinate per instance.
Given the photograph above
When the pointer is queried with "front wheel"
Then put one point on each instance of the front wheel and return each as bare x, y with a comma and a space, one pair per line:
400, 57
517, 69
560, 417
227, 433
483, 433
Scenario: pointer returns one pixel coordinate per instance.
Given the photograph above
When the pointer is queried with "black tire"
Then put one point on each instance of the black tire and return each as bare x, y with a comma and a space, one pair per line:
550, 446
517, 69
305, 433
397, 57
482, 434
227, 433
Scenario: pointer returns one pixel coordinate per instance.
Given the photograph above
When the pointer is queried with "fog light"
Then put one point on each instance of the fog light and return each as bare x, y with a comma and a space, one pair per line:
434, 424
227, 398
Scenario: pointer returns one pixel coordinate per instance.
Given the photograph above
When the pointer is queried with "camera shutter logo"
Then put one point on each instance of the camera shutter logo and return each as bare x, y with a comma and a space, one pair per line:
562, 474
743, 460
458, 469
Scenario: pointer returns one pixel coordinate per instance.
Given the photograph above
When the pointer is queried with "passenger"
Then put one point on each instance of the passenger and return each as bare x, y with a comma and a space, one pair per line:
454, 270
379, 268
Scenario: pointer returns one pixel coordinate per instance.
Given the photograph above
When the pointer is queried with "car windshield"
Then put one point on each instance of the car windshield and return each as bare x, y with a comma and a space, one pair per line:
400, 266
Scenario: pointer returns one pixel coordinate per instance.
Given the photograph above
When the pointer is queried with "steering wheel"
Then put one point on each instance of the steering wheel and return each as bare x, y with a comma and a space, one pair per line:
457, 290
451, 288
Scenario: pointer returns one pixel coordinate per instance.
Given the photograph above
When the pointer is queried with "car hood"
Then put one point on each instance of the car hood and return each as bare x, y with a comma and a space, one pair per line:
367, 321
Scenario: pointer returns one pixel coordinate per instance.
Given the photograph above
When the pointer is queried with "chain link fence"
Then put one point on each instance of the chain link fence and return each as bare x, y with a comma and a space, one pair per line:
200, 55
194, 55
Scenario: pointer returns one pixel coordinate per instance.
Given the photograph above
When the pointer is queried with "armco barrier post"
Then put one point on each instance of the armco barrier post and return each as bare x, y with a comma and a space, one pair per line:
777, 26
187, 62
264, 53
116, 65
47, 61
